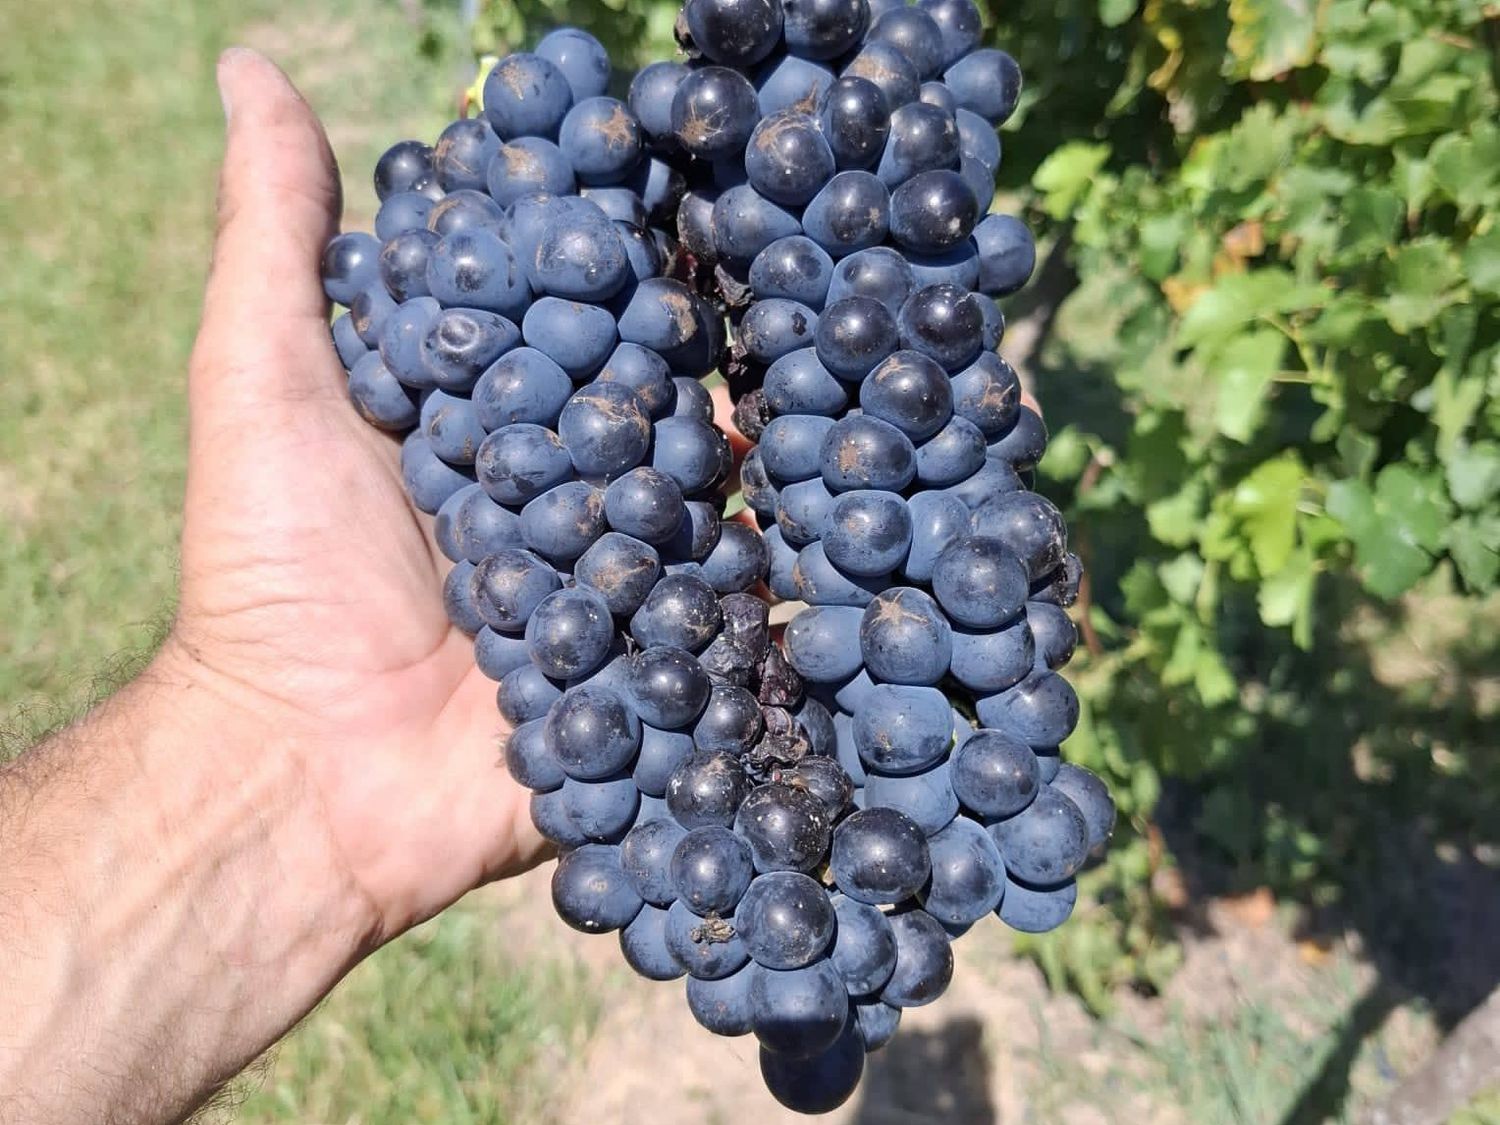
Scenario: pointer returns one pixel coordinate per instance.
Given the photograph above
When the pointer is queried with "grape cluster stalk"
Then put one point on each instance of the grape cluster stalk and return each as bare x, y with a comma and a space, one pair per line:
801, 826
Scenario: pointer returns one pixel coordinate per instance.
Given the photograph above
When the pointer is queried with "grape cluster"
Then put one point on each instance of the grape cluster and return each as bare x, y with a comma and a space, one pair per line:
851, 247
802, 828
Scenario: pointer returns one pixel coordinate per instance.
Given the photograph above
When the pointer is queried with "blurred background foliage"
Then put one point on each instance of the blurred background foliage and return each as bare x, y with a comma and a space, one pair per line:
1270, 357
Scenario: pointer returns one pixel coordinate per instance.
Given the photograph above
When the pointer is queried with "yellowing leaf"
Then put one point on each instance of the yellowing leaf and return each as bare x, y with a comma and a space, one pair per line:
1270, 37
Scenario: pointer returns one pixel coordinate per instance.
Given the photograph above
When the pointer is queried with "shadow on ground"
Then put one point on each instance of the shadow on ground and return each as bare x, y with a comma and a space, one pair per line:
939, 1075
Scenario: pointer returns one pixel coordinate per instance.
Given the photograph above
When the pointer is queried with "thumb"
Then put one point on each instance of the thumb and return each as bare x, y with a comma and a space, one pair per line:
279, 203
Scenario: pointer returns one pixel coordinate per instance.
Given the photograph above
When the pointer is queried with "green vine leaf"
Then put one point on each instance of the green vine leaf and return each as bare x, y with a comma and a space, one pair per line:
1396, 528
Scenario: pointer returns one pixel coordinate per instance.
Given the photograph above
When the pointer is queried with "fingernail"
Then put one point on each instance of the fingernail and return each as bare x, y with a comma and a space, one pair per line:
228, 60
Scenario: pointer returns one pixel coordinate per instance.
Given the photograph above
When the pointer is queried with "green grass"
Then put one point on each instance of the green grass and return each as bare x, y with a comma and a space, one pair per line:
439, 1026
110, 134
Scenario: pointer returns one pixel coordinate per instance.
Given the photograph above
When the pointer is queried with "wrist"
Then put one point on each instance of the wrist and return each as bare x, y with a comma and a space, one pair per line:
172, 890
223, 777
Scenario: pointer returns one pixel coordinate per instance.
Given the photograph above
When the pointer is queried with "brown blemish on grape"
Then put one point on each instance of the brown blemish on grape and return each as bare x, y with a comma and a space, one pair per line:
513, 75
618, 573
697, 129
892, 611
618, 130
998, 395
679, 307
588, 523
850, 456
519, 161
867, 66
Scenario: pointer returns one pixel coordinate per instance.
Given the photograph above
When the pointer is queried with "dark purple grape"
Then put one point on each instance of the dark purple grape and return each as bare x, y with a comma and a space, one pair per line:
933, 212
822, 642
823, 29
1029, 526
876, 1021
682, 612
864, 452
867, 532
959, 25
819, 1083
580, 57
746, 222
889, 69
1024, 443
855, 334
590, 891
731, 721
787, 828
968, 875
856, 119
879, 272
733, 32
646, 858
924, 960
785, 919
791, 83
926, 797
1089, 793
1035, 910
707, 789
526, 96
592, 732
650, 98
986, 81
909, 390
351, 264
775, 327
944, 322
879, 856
706, 948
601, 138
644, 945
711, 868
667, 686
1046, 842
903, 729
904, 638
915, 34
714, 112
463, 153
569, 633
980, 581
722, 1006
995, 775
400, 167
787, 160
993, 659
851, 212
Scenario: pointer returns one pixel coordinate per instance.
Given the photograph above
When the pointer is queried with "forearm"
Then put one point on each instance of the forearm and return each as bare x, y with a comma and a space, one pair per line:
169, 906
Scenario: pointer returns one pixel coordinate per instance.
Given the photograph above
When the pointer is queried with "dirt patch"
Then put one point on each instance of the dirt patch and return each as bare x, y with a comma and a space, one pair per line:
998, 1047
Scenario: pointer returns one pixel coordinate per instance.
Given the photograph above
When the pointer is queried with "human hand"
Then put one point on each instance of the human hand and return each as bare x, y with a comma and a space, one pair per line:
311, 592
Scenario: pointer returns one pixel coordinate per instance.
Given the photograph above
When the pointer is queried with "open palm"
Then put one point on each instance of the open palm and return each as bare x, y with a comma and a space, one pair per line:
311, 592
